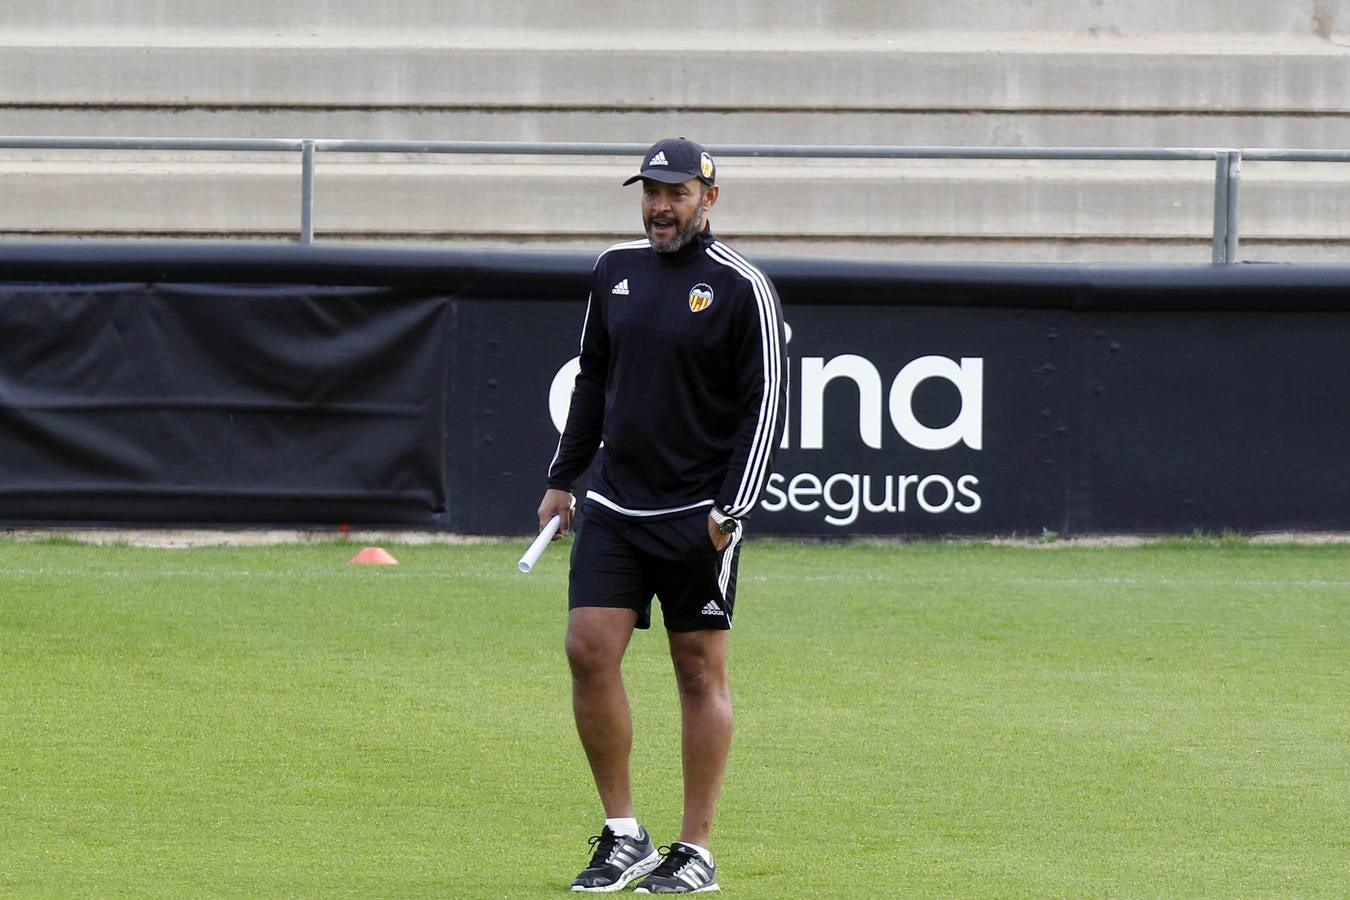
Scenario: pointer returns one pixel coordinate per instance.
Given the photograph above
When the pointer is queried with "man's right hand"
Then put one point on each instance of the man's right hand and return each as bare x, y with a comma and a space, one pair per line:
557, 503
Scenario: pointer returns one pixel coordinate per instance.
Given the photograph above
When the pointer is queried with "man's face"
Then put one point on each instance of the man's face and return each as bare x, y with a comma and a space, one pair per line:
672, 214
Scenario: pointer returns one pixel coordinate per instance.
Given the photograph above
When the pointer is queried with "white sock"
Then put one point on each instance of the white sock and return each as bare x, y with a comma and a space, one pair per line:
625, 827
702, 851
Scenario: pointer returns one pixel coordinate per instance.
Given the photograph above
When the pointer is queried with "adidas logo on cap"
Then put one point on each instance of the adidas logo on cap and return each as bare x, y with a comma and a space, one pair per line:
675, 160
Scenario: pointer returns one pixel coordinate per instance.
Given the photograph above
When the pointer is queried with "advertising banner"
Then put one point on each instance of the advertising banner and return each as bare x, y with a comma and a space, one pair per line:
250, 384
905, 420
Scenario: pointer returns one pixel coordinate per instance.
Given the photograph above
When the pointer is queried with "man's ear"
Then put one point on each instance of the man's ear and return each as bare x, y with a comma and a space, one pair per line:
710, 198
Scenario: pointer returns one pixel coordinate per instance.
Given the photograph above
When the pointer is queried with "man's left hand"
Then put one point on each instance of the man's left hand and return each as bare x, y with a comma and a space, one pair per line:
719, 540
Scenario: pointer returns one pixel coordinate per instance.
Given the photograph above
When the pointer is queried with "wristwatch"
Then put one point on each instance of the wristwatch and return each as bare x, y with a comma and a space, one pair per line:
725, 523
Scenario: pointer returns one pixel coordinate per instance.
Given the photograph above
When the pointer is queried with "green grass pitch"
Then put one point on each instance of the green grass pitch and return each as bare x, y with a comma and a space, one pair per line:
927, 720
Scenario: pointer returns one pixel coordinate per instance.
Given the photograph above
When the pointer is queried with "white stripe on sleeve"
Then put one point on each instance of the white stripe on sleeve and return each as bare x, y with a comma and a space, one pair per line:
761, 447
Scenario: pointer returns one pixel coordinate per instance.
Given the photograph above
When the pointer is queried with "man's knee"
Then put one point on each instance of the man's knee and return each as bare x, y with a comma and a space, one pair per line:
596, 640
700, 663
587, 656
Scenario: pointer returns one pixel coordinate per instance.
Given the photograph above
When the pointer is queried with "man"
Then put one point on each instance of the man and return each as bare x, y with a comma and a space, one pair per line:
682, 380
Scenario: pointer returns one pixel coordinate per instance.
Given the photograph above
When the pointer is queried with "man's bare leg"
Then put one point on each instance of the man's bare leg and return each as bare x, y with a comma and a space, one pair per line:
700, 659
596, 640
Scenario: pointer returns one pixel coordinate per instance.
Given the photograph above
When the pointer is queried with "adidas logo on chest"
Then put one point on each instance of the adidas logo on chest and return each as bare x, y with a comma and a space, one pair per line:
621, 288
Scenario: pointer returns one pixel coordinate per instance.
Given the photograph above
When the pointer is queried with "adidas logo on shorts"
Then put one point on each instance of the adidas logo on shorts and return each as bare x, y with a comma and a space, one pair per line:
712, 609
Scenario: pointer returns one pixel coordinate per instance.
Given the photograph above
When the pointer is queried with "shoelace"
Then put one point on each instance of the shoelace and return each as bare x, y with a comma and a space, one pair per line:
603, 844
673, 860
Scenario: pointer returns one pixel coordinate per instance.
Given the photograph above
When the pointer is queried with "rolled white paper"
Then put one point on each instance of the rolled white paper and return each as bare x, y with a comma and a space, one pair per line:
537, 548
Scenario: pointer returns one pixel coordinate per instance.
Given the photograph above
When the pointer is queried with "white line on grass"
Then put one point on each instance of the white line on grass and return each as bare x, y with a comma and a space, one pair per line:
441, 574
1068, 582
379, 572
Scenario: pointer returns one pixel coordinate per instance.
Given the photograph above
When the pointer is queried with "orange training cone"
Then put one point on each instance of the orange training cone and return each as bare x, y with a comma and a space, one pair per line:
373, 556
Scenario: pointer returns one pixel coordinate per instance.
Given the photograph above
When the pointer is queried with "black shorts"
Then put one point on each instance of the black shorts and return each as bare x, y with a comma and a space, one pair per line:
621, 563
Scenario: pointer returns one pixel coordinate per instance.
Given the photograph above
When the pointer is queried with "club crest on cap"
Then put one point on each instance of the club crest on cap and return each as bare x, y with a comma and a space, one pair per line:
700, 296
705, 165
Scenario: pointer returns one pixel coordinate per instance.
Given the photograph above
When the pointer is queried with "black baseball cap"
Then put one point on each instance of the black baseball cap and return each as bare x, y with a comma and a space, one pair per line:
675, 161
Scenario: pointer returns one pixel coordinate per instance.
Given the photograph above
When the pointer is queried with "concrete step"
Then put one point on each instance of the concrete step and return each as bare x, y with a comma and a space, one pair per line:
736, 73
856, 17
1011, 128
793, 207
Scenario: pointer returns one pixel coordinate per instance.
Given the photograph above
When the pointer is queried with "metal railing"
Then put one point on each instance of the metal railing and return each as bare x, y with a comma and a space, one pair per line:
1227, 161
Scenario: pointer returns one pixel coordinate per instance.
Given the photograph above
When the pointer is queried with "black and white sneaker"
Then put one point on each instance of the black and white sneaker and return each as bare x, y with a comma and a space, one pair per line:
683, 871
618, 860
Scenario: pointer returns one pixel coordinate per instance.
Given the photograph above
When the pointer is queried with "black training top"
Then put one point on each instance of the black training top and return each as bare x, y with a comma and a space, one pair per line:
681, 377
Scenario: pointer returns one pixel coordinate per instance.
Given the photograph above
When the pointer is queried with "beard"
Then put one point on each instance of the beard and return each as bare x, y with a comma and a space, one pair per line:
682, 237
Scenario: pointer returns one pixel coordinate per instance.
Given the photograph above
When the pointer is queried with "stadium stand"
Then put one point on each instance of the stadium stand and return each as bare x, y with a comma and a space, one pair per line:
1211, 73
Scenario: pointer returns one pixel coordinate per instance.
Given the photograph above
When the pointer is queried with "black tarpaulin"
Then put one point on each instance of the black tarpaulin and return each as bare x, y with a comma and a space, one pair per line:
219, 402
